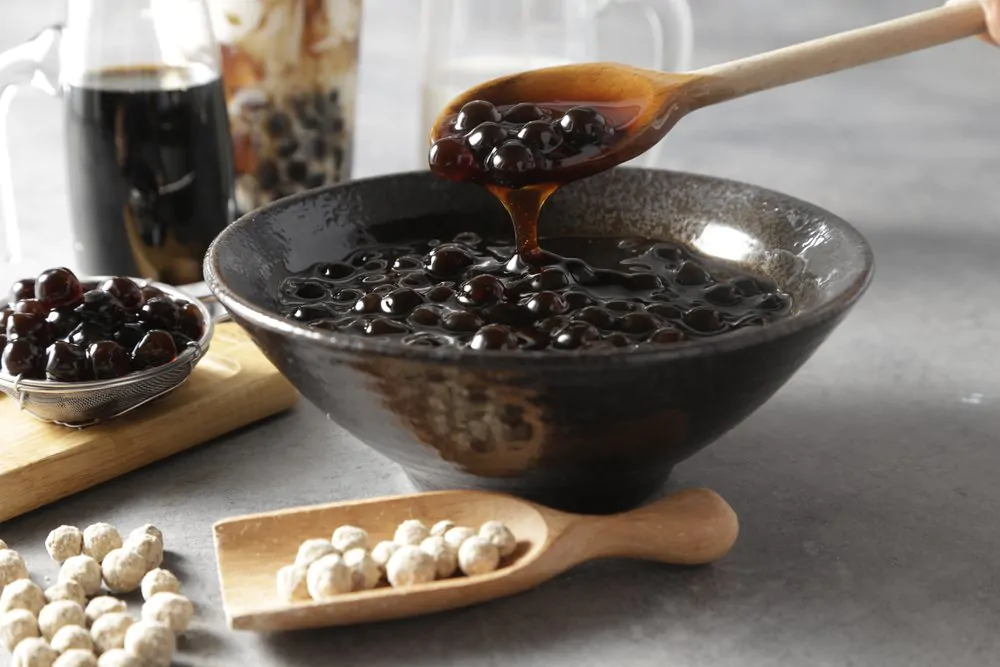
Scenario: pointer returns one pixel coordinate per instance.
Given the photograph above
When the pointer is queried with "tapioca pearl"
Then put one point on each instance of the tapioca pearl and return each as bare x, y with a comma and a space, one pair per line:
577, 300
335, 271
461, 321
510, 314
494, 337
618, 340
475, 112
309, 313
704, 319
666, 336
310, 291
665, 311
723, 294
369, 303
551, 324
424, 339
400, 301
747, 286
583, 126
574, 335
428, 316
638, 323
541, 136
380, 326
691, 273
415, 279
286, 148
278, 124
449, 260
546, 303
596, 316
523, 112
267, 174
643, 282
407, 263
619, 306
510, 161
347, 296
375, 279
450, 158
485, 137
549, 278
440, 293
315, 180
297, 171
482, 290
470, 239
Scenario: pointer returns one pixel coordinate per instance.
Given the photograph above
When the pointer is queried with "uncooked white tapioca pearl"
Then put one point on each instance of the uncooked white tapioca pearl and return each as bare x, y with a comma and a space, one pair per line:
365, 572
63, 542
457, 535
349, 537
441, 527
328, 577
159, 581
102, 605
500, 536
76, 658
478, 556
292, 583
411, 533
311, 551
66, 590
12, 567
57, 615
148, 547
445, 559
117, 657
100, 539
152, 643
84, 570
70, 637
123, 570
22, 594
169, 609
16, 626
109, 630
33, 652
146, 529
382, 552
409, 566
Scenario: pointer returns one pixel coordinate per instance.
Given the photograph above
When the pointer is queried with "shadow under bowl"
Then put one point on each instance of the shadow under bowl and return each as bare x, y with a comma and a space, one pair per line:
593, 432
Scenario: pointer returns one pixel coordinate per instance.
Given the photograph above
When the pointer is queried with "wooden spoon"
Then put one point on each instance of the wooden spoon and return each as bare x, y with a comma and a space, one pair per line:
691, 527
663, 98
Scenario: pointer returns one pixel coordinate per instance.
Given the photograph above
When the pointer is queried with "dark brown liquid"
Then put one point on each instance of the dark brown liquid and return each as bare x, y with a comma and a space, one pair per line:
579, 294
151, 175
522, 153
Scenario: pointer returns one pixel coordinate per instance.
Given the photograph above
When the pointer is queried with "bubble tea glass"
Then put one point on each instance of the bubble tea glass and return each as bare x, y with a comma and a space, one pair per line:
290, 74
466, 42
147, 137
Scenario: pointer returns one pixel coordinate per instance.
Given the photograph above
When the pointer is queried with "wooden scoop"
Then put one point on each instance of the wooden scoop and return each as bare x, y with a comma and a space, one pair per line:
663, 98
691, 527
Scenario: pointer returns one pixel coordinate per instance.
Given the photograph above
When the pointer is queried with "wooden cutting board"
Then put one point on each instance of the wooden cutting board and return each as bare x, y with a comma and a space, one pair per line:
234, 385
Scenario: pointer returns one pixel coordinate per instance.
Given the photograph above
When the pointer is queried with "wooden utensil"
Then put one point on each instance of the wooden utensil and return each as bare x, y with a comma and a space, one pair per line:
690, 527
663, 98
233, 385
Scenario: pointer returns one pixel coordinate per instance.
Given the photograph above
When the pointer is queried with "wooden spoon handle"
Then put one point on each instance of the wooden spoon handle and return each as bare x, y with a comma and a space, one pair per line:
690, 527
839, 52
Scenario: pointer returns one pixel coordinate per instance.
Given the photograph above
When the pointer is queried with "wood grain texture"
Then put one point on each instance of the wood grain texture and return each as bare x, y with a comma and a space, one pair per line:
234, 385
691, 527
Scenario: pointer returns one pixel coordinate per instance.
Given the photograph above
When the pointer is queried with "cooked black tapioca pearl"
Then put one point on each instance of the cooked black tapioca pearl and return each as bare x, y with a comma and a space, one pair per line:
109, 360
407, 263
58, 287
618, 340
704, 319
310, 313
310, 291
541, 136
450, 259
475, 112
511, 159
574, 335
597, 316
450, 158
335, 270
481, 290
440, 293
523, 112
461, 320
619, 306
24, 326
723, 294
666, 336
494, 337
31, 307
642, 282
545, 304
368, 304
86, 333
665, 310
583, 125
126, 291
577, 300
155, 349
23, 289
62, 321
549, 278
692, 273
511, 314
347, 296
400, 301
129, 335
638, 323
103, 308
427, 316
485, 137
415, 279
373, 280
66, 363
381, 326
23, 358
158, 313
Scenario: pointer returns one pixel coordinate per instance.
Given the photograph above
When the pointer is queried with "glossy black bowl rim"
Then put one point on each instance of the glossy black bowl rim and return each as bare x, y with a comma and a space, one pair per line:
357, 345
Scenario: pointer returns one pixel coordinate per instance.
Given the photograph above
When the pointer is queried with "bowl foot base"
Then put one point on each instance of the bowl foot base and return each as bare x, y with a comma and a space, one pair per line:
586, 493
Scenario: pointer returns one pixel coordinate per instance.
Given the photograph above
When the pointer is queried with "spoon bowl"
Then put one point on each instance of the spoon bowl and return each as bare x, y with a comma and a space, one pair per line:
690, 527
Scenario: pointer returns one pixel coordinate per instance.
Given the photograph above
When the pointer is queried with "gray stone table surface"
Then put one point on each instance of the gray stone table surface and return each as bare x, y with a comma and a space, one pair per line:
867, 487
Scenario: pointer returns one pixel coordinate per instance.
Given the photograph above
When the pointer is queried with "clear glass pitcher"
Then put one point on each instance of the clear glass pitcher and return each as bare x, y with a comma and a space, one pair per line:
466, 42
147, 136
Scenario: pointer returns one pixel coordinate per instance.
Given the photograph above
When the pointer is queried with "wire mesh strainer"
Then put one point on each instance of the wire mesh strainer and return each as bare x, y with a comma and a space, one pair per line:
79, 404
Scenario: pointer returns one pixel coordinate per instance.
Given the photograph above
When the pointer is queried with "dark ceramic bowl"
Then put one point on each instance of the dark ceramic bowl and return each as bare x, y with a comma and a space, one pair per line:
595, 432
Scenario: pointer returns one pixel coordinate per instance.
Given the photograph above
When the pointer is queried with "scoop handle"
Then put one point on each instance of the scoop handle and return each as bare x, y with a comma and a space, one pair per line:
690, 527
841, 51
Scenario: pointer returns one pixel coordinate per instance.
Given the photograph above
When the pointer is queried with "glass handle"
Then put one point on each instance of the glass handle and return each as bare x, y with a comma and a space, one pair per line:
36, 62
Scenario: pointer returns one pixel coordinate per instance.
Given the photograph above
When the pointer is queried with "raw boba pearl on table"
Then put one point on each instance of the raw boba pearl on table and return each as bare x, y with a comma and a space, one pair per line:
16, 626
500, 536
365, 572
72, 637
292, 582
108, 631
148, 546
410, 566
456, 536
22, 594
12, 567
100, 606
445, 559
152, 643
84, 571
117, 657
66, 590
382, 552
311, 551
169, 609
33, 652
411, 532
123, 570
99, 540
57, 615
328, 577
349, 537
76, 658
